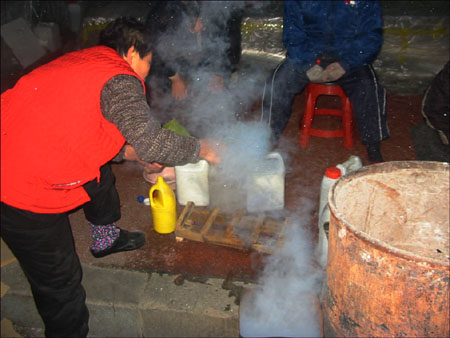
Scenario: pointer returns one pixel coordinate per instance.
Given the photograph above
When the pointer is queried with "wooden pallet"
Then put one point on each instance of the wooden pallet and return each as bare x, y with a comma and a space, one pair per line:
257, 232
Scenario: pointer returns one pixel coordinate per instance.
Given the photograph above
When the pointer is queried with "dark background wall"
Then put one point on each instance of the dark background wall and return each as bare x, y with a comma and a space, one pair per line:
416, 34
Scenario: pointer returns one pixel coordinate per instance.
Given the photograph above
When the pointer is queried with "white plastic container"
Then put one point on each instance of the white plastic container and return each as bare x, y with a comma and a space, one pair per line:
353, 163
332, 174
192, 183
265, 189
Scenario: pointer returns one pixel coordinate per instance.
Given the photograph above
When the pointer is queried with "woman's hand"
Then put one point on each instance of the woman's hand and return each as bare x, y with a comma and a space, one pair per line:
152, 168
210, 150
179, 89
130, 155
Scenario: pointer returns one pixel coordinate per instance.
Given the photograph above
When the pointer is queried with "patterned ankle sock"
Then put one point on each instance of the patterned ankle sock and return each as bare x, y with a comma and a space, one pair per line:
103, 236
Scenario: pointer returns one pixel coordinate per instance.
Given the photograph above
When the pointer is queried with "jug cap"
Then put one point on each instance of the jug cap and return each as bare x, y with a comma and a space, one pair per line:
333, 172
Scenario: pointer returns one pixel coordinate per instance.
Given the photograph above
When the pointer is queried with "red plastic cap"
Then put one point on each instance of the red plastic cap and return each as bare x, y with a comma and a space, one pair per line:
333, 172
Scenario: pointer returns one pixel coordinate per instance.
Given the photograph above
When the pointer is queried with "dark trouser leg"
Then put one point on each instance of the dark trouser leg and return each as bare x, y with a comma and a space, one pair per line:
234, 35
102, 212
280, 90
368, 99
104, 207
43, 245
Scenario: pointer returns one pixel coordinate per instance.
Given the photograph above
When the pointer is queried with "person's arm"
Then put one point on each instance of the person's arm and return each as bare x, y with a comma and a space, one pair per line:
436, 103
362, 47
301, 49
123, 103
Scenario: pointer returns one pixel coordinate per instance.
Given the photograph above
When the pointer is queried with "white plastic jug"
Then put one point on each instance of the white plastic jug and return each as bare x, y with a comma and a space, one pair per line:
265, 189
192, 183
332, 174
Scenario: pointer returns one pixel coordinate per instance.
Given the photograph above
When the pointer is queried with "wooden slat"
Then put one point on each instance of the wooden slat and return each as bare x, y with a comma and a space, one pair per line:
220, 237
185, 214
229, 232
256, 232
271, 226
234, 223
236, 217
218, 230
263, 248
287, 222
230, 242
183, 225
247, 222
212, 216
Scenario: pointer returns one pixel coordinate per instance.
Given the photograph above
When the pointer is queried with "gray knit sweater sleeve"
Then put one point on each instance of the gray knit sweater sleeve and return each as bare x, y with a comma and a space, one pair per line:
123, 103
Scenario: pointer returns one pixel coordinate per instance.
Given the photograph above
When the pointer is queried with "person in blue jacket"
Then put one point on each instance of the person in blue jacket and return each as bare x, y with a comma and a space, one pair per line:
331, 42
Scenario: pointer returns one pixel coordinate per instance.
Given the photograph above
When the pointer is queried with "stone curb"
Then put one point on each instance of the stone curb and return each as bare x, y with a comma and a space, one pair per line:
126, 303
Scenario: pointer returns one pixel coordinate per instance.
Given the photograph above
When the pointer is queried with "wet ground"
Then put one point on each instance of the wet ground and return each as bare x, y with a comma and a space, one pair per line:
304, 171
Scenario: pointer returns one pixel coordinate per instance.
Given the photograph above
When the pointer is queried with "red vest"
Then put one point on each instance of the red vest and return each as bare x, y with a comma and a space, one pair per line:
54, 137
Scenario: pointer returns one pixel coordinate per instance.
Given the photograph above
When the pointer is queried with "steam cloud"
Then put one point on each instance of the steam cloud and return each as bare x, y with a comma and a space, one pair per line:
212, 115
286, 301
199, 57
285, 304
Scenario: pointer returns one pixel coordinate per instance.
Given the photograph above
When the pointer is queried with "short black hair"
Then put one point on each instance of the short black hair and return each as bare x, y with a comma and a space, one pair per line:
125, 32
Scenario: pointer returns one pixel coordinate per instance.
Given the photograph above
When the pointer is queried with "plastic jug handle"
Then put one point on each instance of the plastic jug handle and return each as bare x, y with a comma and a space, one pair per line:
203, 164
277, 156
154, 197
274, 155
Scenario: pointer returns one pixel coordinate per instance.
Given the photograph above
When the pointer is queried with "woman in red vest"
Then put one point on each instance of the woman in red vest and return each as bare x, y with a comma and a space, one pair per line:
67, 120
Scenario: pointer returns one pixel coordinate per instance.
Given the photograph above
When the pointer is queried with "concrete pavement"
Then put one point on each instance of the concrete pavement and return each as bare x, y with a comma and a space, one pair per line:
125, 303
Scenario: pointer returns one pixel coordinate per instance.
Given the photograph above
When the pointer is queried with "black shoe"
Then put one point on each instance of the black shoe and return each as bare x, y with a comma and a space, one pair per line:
374, 153
126, 241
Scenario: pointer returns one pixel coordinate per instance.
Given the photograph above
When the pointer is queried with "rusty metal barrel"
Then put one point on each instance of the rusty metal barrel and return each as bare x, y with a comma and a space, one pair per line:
388, 256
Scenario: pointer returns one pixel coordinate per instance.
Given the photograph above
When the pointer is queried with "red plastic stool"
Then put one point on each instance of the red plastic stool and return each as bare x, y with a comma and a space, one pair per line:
313, 91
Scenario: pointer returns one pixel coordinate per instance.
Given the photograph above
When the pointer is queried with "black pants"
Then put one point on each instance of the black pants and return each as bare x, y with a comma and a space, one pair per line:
367, 96
44, 246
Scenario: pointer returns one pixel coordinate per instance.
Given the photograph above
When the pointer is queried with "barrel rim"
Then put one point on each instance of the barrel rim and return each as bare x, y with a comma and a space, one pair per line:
382, 245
